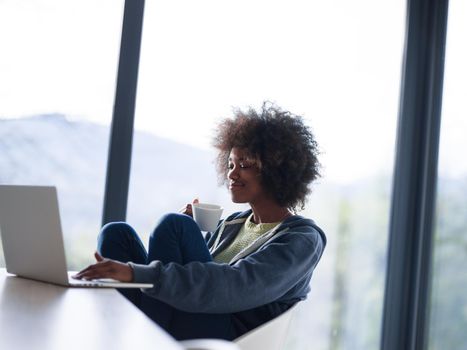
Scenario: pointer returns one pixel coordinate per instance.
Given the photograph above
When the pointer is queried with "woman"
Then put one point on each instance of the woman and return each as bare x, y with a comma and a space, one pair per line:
257, 263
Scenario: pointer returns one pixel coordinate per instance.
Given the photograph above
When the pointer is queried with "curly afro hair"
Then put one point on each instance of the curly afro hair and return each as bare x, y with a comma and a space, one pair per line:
282, 147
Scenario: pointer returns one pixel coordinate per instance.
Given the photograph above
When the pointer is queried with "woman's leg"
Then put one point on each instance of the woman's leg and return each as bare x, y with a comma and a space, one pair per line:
177, 238
119, 241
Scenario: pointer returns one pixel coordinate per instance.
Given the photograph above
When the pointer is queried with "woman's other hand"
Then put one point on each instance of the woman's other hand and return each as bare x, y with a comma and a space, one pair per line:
106, 268
188, 209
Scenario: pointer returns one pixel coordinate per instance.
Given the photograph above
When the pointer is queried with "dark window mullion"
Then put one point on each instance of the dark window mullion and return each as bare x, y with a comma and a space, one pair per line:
415, 176
121, 133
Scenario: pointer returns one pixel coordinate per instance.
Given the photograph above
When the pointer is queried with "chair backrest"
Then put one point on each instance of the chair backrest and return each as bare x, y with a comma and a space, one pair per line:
208, 344
270, 335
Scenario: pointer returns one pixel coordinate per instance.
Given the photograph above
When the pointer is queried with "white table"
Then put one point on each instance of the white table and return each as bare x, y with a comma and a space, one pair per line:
36, 315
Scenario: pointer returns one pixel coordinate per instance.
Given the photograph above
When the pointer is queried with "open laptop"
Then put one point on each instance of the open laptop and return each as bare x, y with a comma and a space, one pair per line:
32, 238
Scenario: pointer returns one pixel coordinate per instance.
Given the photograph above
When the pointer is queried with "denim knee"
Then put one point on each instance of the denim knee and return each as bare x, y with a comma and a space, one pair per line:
175, 221
115, 232
176, 217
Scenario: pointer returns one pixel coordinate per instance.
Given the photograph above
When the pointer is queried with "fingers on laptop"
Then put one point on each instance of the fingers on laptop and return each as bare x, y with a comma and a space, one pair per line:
106, 268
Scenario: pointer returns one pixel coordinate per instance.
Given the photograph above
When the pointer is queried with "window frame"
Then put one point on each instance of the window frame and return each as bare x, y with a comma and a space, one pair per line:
407, 289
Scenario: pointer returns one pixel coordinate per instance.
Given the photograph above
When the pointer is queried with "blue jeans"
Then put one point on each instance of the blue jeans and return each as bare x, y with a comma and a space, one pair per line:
178, 239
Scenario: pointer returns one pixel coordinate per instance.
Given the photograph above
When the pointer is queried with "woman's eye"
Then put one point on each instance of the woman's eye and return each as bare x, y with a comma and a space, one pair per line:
240, 165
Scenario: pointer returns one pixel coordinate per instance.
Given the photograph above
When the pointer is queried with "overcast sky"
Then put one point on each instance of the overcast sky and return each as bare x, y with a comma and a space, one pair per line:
335, 63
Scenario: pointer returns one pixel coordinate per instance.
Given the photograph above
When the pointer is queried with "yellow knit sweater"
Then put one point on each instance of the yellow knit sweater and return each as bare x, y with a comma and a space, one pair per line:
246, 236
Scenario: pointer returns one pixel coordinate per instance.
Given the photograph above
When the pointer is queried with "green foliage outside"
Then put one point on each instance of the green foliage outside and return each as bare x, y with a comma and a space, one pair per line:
448, 309
355, 219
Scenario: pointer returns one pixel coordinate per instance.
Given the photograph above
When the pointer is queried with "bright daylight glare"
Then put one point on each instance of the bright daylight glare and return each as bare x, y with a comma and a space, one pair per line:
336, 63
312, 58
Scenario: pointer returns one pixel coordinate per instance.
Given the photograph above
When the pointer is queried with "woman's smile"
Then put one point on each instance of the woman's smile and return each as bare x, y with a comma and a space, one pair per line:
236, 185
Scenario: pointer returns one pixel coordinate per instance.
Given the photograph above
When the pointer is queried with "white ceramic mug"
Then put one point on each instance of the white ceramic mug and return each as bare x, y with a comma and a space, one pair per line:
207, 216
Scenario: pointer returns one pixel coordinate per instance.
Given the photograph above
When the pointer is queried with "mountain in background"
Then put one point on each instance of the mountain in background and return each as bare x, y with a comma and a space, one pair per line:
72, 155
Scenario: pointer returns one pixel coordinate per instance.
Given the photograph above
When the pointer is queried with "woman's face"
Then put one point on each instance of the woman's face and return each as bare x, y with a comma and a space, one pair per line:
244, 178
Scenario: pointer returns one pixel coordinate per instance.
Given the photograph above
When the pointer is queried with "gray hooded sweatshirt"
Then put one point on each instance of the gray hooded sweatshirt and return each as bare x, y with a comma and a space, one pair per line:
258, 284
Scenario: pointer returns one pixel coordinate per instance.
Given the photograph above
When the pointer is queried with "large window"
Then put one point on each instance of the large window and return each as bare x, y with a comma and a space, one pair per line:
337, 64
58, 67
448, 316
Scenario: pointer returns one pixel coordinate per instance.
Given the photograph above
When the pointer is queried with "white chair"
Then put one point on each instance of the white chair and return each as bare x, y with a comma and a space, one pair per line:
270, 335
208, 344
